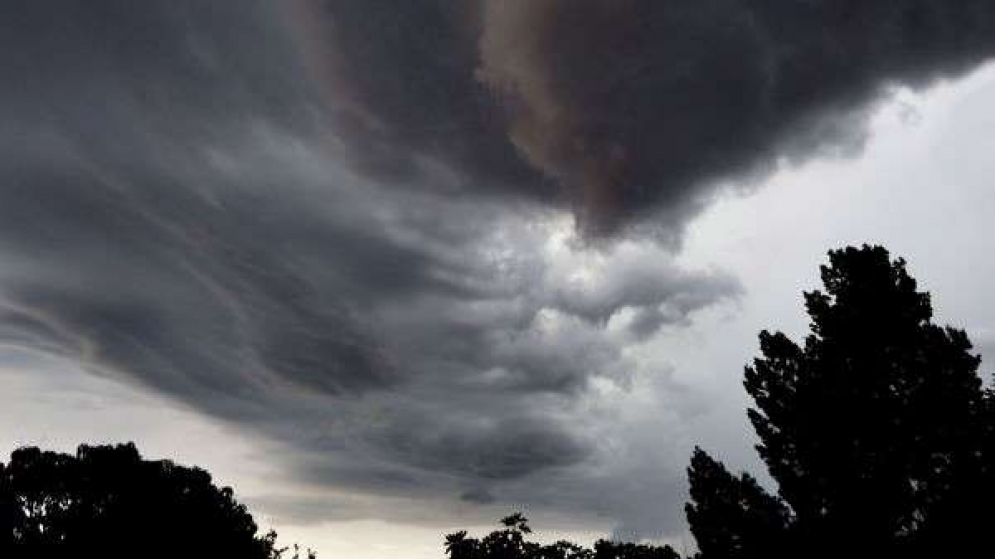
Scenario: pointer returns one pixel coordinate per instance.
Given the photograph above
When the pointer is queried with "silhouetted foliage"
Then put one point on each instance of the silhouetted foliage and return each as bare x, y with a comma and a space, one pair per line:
510, 543
876, 430
732, 517
8, 514
106, 501
604, 549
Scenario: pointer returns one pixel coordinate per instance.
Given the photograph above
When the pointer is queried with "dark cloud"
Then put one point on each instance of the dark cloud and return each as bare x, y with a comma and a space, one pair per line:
399, 81
174, 213
628, 110
360, 255
480, 496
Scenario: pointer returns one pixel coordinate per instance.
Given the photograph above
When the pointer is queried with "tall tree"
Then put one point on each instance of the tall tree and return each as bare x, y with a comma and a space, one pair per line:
877, 429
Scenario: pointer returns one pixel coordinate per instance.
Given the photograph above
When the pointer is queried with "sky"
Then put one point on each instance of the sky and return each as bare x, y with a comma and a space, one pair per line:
397, 269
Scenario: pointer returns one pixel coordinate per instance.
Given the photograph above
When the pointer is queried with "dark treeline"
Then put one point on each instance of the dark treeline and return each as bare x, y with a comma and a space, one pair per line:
876, 429
510, 542
108, 502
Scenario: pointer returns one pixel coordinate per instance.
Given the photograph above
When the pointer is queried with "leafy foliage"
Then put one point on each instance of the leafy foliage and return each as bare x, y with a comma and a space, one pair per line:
106, 501
876, 430
732, 516
511, 543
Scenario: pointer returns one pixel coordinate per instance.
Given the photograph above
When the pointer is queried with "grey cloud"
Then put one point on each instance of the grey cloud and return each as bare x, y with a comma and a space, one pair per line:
634, 282
480, 496
440, 514
174, 213
624, 111
399, 82
515, 447
396, 298
188, 60
984, 345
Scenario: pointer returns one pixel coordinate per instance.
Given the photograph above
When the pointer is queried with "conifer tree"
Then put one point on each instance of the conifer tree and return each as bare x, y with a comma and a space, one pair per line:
876, 429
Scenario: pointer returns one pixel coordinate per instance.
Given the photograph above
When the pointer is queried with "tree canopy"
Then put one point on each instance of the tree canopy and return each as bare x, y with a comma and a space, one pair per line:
106, 501
511, 542
876, 429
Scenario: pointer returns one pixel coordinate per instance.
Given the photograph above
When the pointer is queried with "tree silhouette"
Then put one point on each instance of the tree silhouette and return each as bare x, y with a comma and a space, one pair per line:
106, 501
605, 549
8, 514
733, 517
876, 430
510, 543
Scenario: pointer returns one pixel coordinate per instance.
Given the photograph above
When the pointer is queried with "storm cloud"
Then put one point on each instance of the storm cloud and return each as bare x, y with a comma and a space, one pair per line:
628, 111
175, 213
372, 234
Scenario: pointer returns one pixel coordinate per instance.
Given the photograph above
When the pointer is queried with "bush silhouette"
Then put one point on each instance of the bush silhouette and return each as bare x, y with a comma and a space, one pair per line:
106, 501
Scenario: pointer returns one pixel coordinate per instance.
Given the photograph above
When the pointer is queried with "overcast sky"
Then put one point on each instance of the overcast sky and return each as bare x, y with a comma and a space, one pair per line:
396, 269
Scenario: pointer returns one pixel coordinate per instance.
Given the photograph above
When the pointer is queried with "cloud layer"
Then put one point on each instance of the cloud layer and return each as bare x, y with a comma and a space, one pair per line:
173, 214
624, 111
350, 228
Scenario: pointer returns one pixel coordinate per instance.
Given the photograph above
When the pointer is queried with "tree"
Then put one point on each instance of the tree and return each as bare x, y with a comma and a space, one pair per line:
605, 549
510, 543
733, 517
106, 501
876, 430
8, 514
